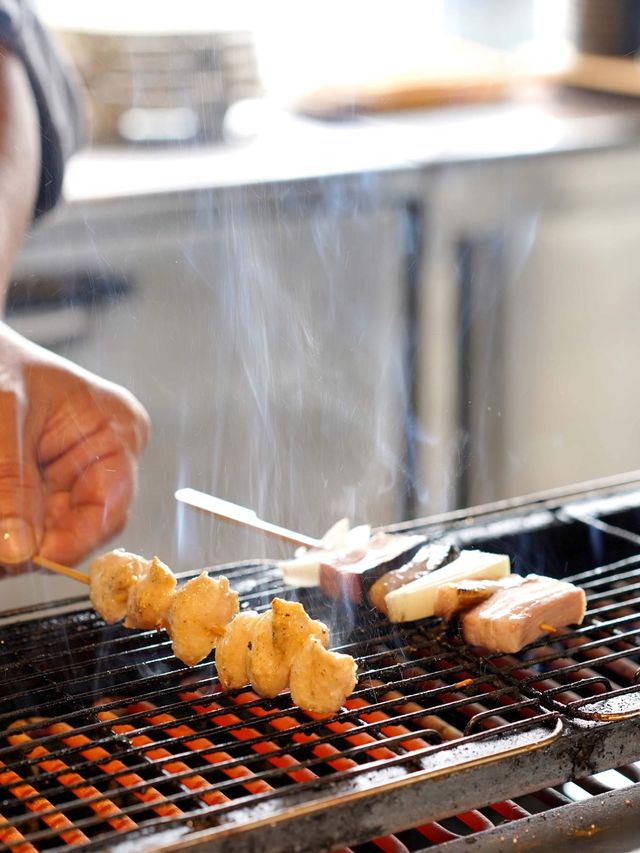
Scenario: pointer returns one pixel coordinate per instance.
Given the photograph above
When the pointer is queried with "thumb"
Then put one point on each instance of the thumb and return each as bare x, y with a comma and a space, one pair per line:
20, 484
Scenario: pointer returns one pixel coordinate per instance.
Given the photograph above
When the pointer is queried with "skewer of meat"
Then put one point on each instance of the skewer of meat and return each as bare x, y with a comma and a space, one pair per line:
516, 616
280, 648
403, 581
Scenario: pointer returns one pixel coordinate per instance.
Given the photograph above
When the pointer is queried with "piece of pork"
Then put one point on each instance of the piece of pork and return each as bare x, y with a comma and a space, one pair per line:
519, 615
321, 680
197, 616
232, 650
150, 597
112, 575
348, 576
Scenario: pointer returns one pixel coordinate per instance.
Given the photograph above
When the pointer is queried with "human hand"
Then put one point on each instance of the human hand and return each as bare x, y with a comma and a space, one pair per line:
69, 443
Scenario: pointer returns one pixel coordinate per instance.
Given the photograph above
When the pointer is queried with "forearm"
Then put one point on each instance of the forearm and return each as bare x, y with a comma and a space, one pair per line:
19, 162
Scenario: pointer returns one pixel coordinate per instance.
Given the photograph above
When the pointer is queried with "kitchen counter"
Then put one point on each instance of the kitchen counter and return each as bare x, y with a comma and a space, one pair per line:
291, 148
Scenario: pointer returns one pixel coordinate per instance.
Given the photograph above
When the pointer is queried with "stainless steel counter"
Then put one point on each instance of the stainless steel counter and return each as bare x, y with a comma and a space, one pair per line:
291, 148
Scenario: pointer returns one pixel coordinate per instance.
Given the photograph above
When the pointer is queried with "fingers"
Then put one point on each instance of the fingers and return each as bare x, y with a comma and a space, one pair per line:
87, 455
21, 499
90, 512
83, 416
85, 451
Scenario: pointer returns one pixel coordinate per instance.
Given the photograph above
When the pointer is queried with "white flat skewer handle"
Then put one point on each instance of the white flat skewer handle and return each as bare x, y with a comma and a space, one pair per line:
52, 566
242, 515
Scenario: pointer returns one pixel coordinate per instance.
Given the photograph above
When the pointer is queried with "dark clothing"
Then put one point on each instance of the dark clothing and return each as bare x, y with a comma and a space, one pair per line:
55, 93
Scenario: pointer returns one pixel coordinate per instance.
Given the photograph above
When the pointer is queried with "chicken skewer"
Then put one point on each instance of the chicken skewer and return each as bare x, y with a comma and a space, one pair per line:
280, 648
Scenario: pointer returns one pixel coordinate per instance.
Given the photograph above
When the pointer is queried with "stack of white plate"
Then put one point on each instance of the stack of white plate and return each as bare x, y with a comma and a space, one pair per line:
163, 87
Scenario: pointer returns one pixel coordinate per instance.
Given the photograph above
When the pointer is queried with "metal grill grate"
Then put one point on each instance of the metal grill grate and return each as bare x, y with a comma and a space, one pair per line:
107, 736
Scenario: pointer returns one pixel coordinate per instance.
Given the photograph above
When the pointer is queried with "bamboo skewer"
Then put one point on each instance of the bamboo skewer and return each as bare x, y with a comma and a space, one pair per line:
237, 514
208, 503
226, 510
44, 563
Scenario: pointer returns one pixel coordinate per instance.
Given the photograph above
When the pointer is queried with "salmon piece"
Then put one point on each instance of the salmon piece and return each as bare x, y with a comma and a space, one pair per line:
519, 615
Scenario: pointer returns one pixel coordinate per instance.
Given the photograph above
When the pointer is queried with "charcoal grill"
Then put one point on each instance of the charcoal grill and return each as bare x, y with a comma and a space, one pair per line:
108, 740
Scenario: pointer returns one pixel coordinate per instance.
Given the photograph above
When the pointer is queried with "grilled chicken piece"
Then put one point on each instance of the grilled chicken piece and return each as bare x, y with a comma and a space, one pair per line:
515, 617
267, 668
465, 594
277, 636
428, 559
321, 680
292, 625
232, 650
150, 597
348, 575
197, 616
112, 575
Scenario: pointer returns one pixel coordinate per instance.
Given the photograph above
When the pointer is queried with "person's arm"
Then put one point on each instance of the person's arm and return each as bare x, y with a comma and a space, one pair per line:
69, 440
19, 161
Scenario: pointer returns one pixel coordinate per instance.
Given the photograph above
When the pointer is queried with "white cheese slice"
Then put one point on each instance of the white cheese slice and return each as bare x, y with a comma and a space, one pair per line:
303, 570
416, 600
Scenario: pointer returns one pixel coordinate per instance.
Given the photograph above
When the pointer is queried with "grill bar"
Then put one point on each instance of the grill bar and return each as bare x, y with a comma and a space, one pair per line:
193, 782
115, 768
334, 756
105, 808
41, 806
275, 755
340, 760
137, 809
13, 839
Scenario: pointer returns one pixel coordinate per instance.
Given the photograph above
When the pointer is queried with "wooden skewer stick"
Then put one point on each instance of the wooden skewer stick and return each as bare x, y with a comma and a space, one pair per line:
60, 569
242, 515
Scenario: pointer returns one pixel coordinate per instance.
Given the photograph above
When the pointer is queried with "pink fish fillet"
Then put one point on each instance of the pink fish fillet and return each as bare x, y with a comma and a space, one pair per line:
516, 616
